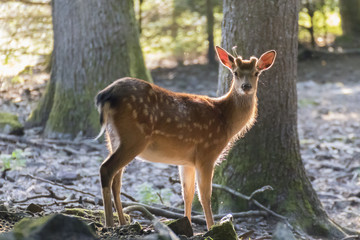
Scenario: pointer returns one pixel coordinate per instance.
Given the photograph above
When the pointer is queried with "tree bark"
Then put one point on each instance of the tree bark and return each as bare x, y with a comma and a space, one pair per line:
269, 152
350, 17
95, 43
210, 31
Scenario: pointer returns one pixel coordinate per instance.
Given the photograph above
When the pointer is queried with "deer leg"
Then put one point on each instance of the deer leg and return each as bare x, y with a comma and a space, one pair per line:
116, 186
124, 154
187, 177
204, 176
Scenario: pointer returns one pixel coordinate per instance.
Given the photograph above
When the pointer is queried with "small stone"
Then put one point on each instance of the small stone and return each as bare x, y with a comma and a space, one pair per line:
53, 227
222, 231
4, 211
324, 157
324, 111
181, 226
67, 177
34, 208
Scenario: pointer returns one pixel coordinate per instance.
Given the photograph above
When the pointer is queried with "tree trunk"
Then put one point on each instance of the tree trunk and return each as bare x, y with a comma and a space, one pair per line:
269, 152
140, 15
350, 17
95, 43
210, 31
311, 10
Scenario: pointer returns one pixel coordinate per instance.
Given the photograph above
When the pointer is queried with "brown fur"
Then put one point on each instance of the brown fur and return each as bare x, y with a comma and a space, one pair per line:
142, 119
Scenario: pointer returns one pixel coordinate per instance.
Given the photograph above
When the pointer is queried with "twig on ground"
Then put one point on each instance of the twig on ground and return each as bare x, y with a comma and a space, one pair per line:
68, 142
163, 230
57, 184
263, 189
240, 195
352, 237
46, 143
63, 203
199, 219
3, 174
246, 234
263, 238
50, 195
160, 198
164, 213
171, 209
251, 213
70, 188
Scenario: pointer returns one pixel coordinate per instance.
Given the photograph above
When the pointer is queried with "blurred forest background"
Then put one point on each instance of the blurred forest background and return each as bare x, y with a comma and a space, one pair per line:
172, 33
177, 39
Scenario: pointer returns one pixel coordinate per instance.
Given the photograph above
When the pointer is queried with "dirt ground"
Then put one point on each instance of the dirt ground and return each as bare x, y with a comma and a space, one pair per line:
328, 125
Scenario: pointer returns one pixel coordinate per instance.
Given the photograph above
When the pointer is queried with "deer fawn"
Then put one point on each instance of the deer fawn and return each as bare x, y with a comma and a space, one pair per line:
142, 119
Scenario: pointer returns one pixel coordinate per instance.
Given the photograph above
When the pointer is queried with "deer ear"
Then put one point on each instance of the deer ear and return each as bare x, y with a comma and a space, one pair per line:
225, 58
266, 60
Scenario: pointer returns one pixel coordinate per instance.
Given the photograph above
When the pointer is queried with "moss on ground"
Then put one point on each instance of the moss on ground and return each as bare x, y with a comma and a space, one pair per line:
96, 216
12, 121
222, 231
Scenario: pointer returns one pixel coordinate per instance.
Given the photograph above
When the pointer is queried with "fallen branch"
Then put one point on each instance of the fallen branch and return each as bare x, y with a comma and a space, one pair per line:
164, 231
163, 212
80, 200
68, 142
46, 143
352, 237
263, 189
16, 139
251, 213
199, 219
50, 195
70, 188
240, 195
57, 184
158, 206
3, 174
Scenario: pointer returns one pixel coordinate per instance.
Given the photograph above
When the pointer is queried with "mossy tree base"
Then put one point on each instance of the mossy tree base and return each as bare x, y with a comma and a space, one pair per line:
269, 154
94, 44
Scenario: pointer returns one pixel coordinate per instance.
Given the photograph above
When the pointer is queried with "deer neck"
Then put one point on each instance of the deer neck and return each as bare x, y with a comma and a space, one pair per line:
239, 109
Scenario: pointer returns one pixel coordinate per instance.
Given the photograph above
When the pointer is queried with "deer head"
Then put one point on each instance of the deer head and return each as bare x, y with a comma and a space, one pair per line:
246, 72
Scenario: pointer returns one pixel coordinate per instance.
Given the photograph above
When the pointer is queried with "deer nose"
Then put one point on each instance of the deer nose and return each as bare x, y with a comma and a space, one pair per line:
246, 86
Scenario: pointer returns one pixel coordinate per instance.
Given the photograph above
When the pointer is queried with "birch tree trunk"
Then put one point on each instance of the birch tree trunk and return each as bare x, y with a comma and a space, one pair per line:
269, 152
95, 43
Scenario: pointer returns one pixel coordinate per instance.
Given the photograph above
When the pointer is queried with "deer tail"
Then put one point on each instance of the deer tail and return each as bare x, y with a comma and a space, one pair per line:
102, 103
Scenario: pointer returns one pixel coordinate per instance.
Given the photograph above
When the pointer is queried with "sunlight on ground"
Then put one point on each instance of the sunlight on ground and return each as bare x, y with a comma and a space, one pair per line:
332, 116
14, 67
25, 36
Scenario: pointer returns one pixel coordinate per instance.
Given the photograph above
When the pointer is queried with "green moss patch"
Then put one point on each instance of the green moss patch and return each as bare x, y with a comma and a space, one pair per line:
222, 231
9, 124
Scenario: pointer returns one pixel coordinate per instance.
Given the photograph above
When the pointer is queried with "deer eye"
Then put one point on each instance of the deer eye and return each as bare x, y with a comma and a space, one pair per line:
235, 73
256, 74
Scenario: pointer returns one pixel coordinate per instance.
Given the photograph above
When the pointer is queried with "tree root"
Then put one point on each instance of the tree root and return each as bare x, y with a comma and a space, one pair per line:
334, 229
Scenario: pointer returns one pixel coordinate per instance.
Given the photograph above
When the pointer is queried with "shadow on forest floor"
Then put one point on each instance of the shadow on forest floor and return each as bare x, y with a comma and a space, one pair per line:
328, 123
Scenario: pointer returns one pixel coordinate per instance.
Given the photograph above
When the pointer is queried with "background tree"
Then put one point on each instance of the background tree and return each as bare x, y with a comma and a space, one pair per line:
94, 44
210, 31
350, 19
206, 7
269, 153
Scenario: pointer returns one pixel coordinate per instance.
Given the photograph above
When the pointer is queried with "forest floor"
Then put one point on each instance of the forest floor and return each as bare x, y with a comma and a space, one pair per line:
328, 125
